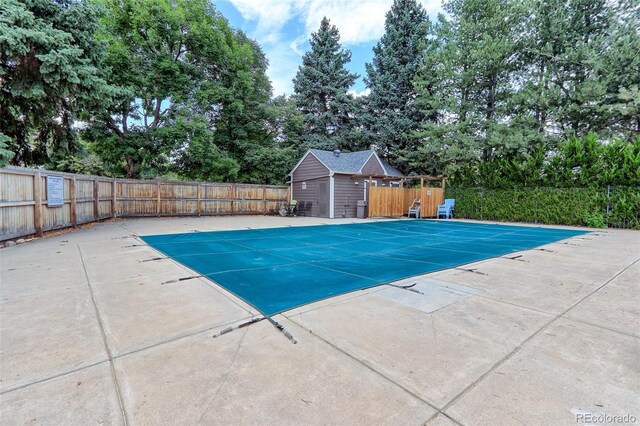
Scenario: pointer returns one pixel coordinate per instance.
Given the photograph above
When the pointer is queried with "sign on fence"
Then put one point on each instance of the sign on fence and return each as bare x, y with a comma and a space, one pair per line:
55, 191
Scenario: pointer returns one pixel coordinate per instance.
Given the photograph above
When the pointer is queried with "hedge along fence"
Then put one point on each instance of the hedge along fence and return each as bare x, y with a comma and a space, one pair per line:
25, 205
613, 206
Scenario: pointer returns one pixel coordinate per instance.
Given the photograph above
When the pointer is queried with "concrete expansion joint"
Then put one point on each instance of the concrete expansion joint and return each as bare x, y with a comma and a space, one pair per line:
55, 376
114, 376
384, 376
541, 329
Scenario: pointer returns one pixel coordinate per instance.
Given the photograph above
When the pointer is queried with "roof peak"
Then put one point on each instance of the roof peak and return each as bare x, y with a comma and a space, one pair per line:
350, 162
341, 151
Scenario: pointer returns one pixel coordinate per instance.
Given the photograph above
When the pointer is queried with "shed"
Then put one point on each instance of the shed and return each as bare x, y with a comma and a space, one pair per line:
335, 181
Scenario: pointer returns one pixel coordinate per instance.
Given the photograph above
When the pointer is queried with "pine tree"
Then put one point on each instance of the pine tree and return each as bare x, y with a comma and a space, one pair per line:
620, 107
576, 58
50, 75
487, 68
391, 116
446, 141
465, 86
320, 90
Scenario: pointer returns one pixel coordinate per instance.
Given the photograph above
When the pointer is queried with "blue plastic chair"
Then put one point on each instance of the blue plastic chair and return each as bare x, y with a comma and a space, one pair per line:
447, 208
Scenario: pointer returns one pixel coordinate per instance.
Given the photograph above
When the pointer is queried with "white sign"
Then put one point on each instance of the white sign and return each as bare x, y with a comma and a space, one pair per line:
304, 185
55, 191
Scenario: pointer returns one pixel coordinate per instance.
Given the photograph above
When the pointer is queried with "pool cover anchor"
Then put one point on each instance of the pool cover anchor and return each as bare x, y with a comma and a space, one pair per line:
474, 270
407, 287
514, 258
284, 331
569, 243
152, 259
276, 324
236, 327
125, 237
546, 250
182, 279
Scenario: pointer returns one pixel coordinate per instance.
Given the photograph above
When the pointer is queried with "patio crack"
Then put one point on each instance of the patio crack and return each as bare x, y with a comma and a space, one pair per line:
226, 378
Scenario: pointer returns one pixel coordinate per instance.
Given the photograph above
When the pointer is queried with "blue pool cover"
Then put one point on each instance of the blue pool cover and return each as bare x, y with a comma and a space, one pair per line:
277, 269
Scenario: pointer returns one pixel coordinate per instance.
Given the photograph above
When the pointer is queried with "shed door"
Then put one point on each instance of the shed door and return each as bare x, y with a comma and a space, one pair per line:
323, 209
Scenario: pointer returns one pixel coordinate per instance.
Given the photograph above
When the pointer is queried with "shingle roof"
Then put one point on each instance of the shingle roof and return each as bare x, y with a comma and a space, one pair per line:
349, 162
390, 170
346, 162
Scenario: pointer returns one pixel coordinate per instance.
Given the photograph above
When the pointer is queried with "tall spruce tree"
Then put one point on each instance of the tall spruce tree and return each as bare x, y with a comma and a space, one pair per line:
445, 140
623, 107
565, 78
391, 115
466, 86
320, 91
50, 75
485, 33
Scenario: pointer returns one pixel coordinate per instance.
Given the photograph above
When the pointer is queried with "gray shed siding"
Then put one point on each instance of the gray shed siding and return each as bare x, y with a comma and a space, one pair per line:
316, 176
372, 167
312, 193
310, 168
346, 192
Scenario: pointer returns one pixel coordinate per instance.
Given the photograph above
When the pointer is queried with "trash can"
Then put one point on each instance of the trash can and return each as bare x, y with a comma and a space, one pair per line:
361, 211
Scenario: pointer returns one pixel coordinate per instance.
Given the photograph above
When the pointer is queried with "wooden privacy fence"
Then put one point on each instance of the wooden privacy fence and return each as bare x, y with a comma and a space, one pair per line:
386, 201
25, 209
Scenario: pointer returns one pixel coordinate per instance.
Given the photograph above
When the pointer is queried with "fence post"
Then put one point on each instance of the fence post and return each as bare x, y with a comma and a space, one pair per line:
37, 207
199, 199
233, 198
96, 199
72, 198
608, 197
264, 199
481, 198
114, 191
158, 197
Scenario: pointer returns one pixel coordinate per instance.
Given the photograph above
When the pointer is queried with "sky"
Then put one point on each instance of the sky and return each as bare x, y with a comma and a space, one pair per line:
283, 28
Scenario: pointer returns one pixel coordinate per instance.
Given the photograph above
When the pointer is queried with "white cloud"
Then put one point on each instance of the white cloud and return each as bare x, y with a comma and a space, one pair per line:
270, 14
357, 94
359, 21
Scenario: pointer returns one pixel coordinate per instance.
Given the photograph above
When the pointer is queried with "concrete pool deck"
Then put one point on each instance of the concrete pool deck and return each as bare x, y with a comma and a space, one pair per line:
88, 334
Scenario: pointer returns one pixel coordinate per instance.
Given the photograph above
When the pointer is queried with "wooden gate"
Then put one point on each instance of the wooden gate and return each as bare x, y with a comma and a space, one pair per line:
385, 201
390, 202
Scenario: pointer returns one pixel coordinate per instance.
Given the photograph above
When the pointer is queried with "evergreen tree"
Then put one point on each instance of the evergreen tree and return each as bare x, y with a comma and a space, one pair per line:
320, 88
621, 104
466, 86
50, 76
485, 33
446, 141
579, 67
391, 115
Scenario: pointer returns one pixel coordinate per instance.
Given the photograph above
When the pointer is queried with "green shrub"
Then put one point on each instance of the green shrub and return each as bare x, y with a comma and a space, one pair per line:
552, 206
595, 220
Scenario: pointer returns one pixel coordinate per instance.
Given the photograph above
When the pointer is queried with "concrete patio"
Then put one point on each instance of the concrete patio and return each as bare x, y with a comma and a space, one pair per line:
90, 335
